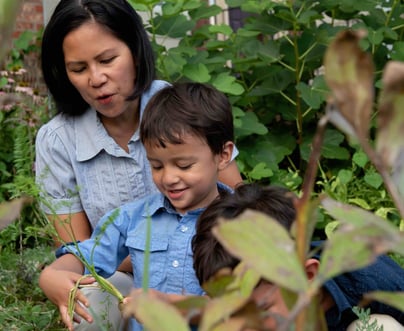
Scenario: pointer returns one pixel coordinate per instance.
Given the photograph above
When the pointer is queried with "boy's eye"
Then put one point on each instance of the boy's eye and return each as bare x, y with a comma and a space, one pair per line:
184, 167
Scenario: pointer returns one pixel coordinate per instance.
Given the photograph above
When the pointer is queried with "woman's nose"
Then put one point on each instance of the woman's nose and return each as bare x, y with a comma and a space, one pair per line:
97, 78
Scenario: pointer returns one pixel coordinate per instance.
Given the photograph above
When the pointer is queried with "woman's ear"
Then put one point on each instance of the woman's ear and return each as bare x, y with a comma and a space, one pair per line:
226, 154
311, 266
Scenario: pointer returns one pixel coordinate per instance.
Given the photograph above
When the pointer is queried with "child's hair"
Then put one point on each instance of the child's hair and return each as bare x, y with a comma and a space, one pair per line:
118, 17
188, 108
209, 255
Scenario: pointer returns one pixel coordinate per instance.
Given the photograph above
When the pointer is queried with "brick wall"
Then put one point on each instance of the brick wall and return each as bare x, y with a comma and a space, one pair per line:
30, 17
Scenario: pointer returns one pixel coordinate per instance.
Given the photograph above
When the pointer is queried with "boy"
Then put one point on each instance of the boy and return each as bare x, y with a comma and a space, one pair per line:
339, 295
187, 131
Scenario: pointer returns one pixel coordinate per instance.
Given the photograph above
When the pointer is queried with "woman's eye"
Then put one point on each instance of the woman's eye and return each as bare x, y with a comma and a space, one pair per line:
109, 60
77, 70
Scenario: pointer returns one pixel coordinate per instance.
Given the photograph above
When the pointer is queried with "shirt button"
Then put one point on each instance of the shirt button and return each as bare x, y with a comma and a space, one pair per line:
175, 263
184, 228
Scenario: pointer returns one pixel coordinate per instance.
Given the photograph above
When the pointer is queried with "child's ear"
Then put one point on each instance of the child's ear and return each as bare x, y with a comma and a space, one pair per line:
226, 155
311, 266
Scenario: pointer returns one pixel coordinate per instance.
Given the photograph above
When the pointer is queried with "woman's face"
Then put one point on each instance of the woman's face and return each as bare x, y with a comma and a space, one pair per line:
101, 67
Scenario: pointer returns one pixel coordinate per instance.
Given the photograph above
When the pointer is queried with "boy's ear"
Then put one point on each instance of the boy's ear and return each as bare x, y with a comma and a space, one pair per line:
311, 266
226, 154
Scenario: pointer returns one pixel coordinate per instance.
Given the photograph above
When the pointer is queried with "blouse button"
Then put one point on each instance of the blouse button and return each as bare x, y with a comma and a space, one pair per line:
175, 263
184, 228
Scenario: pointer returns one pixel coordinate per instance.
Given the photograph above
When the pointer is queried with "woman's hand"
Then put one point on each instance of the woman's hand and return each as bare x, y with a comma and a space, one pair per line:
57, 282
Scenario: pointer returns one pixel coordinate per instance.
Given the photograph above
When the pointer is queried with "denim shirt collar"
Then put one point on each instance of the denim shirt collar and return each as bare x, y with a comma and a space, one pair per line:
161, 202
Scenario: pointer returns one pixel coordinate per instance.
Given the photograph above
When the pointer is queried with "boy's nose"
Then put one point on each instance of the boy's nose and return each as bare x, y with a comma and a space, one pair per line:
170, 177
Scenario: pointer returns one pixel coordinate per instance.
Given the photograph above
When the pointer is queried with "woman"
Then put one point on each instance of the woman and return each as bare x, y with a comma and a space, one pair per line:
98, 64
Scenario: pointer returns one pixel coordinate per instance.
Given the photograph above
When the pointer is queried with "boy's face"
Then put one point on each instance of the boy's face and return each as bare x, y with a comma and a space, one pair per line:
268, 297
186, 173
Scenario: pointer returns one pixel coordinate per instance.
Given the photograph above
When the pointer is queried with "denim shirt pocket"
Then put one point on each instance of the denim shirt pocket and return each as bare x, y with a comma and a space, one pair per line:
157, 264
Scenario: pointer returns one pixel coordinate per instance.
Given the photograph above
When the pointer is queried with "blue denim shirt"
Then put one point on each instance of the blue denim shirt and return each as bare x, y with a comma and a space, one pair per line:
348, 289
81, 168
171, 259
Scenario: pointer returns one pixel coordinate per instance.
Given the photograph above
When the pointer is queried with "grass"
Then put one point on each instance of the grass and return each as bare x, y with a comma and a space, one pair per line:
23, 306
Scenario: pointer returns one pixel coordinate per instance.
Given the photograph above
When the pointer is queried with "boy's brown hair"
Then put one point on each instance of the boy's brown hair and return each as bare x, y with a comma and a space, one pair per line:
209, 255
188, 108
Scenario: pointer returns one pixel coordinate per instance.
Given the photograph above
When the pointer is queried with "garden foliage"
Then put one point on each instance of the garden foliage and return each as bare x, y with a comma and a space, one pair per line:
272, 71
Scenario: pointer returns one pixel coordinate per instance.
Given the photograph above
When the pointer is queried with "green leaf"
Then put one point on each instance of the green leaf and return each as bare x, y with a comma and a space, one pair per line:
373, 179
260, 171
226, 83
204, 12
360, 158
360, 202
312, 98
393, 299
175, 27
155, 314
277, 261
349, 74
363, 230
222, 28
390, 135
218, 309
198, 73
345, 176
249, 124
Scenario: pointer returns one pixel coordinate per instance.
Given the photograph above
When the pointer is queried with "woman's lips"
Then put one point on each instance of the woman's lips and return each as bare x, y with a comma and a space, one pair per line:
104, 100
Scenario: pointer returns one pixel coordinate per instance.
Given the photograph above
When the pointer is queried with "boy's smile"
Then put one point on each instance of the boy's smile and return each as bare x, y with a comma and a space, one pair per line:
185, 173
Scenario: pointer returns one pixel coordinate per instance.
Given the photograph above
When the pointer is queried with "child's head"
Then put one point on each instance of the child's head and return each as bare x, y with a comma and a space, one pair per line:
187, 131
209, 255
188, 108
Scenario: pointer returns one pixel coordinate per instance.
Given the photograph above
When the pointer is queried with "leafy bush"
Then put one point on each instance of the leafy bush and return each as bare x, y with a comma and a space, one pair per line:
271, 69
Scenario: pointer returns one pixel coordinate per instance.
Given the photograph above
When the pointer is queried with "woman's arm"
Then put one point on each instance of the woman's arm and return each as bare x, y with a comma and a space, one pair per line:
230, 175
70, 227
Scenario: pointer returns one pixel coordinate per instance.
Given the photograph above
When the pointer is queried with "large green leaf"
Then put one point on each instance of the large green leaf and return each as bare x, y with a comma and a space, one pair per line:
359, 239
390, 134
227, 84
197, 72
265, 246
248, 124
175, 27
155, 314
394, 299
349, 74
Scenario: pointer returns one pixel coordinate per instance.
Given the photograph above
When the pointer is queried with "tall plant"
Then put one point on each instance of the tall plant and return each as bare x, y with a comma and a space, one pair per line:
360, 237
271, 69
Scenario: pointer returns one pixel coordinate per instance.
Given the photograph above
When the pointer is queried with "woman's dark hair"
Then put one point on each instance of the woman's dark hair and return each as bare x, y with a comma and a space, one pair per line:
209, 255
120, 18
183, 108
